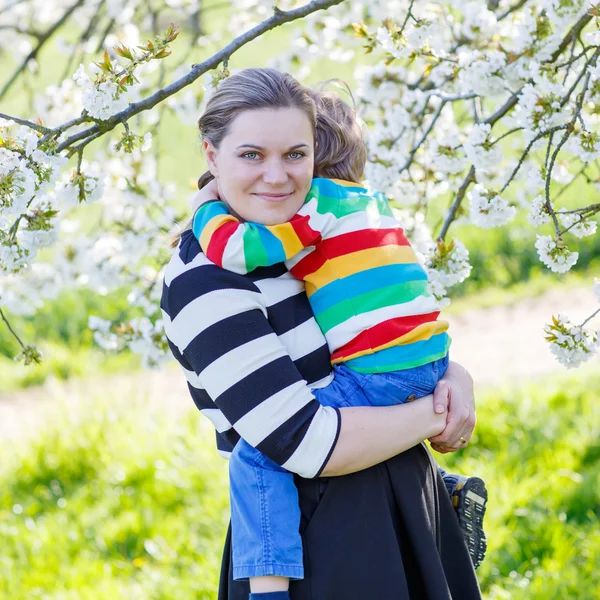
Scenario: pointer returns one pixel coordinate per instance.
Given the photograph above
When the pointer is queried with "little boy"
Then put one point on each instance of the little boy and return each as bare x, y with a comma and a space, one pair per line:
369, 296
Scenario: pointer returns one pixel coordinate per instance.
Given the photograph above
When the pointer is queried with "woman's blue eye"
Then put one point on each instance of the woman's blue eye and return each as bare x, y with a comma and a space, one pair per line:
251, 155
297, 155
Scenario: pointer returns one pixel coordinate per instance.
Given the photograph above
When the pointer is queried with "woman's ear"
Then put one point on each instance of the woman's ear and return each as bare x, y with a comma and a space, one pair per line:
210, 152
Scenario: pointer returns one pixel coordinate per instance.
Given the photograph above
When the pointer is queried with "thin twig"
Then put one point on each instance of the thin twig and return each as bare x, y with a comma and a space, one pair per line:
29, 124
589, 318
416, 147
510, 10
14, 333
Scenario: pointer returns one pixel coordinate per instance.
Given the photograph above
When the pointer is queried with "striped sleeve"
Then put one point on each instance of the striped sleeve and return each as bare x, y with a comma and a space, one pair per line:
244, 247
217, 325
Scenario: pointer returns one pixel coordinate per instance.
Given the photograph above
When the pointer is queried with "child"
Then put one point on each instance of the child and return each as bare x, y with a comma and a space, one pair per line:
369, 296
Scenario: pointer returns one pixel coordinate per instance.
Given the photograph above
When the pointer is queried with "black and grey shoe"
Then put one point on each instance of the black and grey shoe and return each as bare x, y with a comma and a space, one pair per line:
469, 498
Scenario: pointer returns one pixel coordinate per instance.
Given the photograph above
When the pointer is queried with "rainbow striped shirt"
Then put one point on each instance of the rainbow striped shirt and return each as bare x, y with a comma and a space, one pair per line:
364, 283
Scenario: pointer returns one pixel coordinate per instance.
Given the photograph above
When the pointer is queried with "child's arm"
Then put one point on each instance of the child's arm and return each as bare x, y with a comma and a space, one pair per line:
243, 247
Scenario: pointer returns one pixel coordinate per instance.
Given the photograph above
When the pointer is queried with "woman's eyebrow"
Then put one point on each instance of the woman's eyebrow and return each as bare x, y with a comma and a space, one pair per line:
256, 147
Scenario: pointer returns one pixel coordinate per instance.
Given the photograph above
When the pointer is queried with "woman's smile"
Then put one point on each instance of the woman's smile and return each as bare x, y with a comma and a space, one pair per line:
273, 197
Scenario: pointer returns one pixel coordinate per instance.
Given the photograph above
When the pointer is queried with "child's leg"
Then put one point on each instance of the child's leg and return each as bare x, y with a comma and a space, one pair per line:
265, 519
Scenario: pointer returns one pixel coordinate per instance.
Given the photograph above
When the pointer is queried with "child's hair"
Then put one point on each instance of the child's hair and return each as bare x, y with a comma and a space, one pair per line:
340, 147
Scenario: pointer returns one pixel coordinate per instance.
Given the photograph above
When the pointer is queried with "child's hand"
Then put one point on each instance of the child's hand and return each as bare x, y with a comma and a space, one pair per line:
209, 192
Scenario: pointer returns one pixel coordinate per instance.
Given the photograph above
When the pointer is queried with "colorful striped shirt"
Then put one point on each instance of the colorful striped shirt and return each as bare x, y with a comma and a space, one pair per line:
364, 282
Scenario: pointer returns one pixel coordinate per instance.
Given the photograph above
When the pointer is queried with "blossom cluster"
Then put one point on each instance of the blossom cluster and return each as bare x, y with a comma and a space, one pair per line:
571, 344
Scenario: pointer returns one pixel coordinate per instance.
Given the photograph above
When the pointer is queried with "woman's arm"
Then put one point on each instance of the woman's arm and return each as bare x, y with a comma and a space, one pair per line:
369, 435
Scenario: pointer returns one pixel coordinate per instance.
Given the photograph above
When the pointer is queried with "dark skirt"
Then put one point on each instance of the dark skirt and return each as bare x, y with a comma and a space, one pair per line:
385, 533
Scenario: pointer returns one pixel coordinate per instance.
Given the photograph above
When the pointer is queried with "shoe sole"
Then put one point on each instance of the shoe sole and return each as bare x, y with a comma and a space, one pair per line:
470, 503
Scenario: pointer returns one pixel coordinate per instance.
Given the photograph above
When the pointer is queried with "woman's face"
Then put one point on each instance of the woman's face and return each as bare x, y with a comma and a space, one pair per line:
264, 166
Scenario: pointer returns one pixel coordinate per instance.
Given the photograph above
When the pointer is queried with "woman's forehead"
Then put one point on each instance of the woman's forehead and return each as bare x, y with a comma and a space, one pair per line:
270, 129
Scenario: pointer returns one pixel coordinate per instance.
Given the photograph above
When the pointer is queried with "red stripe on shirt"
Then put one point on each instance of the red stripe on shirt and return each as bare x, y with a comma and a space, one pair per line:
309, 264
306, 234
355, 241
383, 333
218, 241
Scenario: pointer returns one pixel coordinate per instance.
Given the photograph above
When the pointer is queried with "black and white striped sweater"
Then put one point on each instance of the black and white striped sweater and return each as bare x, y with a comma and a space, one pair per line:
251, 351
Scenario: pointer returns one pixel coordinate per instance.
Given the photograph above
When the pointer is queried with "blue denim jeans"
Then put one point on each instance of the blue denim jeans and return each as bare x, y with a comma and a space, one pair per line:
265, 516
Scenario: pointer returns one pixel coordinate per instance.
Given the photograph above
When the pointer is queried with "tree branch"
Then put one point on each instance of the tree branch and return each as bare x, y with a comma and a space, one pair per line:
279, 18
455, 205
29, 124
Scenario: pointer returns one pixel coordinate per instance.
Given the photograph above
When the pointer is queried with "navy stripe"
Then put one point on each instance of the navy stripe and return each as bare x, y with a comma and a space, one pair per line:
200, 397
227, 440
189, 247
226, 335
243, 396
178, 356
315, 366
267, 272
284, 440
202, 280
289, 313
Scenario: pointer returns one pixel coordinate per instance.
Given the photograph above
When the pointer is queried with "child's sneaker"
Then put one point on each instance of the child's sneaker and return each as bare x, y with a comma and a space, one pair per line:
469, 498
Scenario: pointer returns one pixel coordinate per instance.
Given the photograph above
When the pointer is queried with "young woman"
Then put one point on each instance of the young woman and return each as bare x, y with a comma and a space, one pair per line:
251, 351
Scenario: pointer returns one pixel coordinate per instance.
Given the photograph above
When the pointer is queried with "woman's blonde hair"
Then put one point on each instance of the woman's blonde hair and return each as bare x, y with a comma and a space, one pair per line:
249, 89
340, 146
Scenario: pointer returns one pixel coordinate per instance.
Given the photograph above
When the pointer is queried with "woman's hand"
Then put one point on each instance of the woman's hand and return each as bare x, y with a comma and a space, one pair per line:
209, 192
456, 390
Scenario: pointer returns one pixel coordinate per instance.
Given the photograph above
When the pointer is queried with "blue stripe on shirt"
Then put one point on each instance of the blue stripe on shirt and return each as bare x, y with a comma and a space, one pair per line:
365, 281
205, 213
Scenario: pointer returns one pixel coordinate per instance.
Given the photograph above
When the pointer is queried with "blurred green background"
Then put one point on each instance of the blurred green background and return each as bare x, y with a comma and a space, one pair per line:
128, 499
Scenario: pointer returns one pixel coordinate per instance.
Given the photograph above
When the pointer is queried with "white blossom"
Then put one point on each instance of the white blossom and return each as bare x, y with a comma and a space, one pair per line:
571, 345
538, 214
578, 226
447, 266
554, 254
597, 288
489, 209
479, 150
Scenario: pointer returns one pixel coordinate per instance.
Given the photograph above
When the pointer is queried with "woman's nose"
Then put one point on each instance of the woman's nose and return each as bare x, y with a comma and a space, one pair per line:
275, 172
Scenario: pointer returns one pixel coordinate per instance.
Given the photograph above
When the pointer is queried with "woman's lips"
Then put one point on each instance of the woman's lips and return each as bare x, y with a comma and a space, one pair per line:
274, 197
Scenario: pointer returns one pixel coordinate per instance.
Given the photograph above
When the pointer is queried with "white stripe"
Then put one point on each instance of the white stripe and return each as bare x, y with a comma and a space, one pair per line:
176, 266
208, 309
362, 220
302, 340
316, 444
217, 418
224, 454
234, 257
192, 379
344, 332
281, 288
233, 366
265, 418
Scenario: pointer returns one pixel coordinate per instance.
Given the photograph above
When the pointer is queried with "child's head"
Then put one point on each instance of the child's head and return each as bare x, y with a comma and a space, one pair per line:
340, 149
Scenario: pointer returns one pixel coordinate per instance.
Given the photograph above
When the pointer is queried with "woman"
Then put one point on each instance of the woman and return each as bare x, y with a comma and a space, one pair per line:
249, 345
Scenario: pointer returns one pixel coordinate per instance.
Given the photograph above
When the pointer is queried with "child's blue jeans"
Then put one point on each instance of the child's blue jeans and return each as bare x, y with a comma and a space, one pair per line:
265, 515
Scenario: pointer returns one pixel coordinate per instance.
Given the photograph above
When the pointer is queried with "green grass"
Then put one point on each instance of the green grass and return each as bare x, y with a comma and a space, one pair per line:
125, 503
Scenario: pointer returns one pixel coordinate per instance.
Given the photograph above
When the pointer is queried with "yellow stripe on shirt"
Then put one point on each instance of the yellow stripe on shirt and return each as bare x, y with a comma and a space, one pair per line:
355, 262
212, 226
286, 234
